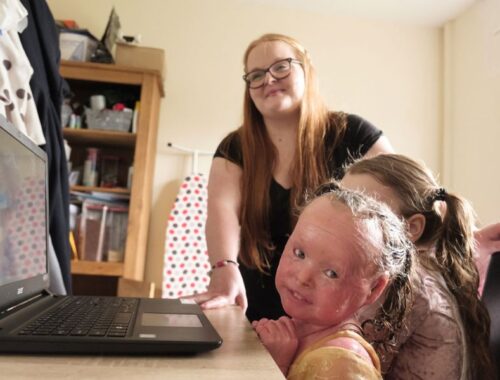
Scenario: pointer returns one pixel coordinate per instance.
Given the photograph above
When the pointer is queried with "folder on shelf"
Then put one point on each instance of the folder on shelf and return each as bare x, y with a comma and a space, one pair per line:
72, 243
136, 116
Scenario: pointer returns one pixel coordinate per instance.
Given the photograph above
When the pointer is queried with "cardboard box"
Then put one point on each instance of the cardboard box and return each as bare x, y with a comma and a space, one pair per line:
141, 57
76, 47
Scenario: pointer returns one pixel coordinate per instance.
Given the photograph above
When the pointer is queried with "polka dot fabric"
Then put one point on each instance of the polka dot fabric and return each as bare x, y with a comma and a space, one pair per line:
186, 266
17, 104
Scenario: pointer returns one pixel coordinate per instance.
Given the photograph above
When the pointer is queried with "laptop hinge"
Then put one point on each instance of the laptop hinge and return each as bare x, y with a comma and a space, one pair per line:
25, 302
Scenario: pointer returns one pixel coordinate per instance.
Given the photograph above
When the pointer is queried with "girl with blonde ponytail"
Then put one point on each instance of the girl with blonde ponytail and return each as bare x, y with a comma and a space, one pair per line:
447, 332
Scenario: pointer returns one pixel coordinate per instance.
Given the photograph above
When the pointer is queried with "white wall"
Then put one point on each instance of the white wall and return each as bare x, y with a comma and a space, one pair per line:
388, 73
472, 107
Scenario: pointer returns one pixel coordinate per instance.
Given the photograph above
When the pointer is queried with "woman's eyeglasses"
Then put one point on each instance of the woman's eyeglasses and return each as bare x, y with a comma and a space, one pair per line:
278, 70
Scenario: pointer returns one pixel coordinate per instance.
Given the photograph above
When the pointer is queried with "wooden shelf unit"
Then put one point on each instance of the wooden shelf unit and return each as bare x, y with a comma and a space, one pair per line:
96, 268
103, 138
143, 146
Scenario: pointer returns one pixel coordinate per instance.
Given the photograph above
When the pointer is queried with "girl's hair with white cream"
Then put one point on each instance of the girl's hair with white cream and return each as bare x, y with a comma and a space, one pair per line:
393, 255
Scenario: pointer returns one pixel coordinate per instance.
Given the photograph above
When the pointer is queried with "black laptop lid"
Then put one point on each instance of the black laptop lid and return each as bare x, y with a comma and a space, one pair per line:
23, 217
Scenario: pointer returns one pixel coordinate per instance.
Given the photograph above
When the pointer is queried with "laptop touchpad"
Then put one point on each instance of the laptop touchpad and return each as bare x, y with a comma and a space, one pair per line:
170, 320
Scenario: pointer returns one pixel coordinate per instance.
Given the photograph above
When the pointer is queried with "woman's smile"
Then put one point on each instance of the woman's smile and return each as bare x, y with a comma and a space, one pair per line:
273, 92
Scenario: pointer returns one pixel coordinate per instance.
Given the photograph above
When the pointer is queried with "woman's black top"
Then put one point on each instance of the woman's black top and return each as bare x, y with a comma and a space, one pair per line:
263, 298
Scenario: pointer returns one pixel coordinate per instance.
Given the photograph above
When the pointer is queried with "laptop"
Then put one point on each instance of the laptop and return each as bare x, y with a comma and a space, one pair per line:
30, 315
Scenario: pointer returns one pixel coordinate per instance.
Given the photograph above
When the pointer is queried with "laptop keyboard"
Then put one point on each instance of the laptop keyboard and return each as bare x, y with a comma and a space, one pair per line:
86, 316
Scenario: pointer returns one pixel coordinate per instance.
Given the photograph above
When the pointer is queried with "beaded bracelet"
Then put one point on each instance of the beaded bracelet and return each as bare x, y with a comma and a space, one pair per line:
222, 263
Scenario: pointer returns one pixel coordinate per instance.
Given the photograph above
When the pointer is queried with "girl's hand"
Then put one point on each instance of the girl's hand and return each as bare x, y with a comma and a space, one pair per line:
226, 288
487, 242
280, 339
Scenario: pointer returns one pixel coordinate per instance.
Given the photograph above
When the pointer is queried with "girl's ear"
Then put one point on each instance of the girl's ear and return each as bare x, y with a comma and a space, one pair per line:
415, 225
377, 288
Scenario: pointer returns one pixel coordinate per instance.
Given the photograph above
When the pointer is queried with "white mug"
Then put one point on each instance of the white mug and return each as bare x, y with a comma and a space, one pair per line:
97, 102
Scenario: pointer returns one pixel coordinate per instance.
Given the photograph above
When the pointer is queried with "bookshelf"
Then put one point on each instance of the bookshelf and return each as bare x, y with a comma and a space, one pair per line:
137, 149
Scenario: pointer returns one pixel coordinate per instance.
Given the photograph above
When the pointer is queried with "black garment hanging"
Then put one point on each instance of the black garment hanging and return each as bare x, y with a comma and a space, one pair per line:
41, 44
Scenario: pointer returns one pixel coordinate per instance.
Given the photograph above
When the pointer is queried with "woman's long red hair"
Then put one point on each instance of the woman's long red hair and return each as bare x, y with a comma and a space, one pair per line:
259, 154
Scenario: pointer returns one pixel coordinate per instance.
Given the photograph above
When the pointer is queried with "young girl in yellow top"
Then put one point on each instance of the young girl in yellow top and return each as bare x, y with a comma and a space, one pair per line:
344, 252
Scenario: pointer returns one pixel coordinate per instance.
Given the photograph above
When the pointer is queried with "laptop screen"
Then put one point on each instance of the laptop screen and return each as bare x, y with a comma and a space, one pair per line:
23, 209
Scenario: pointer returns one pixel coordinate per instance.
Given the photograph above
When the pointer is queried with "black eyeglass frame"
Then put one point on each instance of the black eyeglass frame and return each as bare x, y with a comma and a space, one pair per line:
268, 70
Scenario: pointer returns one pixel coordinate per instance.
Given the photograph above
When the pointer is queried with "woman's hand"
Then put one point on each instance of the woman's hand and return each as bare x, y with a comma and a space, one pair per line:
280, 339
487, 242
226, 288
223, 237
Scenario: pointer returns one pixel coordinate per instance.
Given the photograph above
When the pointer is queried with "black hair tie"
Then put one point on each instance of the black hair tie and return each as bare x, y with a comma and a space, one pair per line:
440, 194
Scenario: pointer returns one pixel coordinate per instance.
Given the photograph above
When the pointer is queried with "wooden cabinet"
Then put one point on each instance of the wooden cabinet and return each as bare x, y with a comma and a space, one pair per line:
139, 148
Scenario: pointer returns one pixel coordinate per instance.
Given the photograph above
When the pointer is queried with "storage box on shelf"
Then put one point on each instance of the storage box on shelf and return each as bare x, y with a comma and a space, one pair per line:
108, 120
103, 231
140, 56
76, 46
135, 150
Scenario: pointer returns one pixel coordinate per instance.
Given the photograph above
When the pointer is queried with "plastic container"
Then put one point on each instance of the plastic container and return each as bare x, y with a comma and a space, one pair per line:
90, 168
110, 168
76, 46
73, 214
116, 223
66, 112
90, 232
103, 231
109, 120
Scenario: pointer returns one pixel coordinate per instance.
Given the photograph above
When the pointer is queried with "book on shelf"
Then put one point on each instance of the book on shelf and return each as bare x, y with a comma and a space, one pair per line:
72, 244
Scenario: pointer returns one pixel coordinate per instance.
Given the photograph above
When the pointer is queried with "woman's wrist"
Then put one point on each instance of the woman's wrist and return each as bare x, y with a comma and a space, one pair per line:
222, 264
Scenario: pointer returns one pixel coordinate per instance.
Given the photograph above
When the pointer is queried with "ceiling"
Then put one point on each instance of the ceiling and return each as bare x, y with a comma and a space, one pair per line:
416, 12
